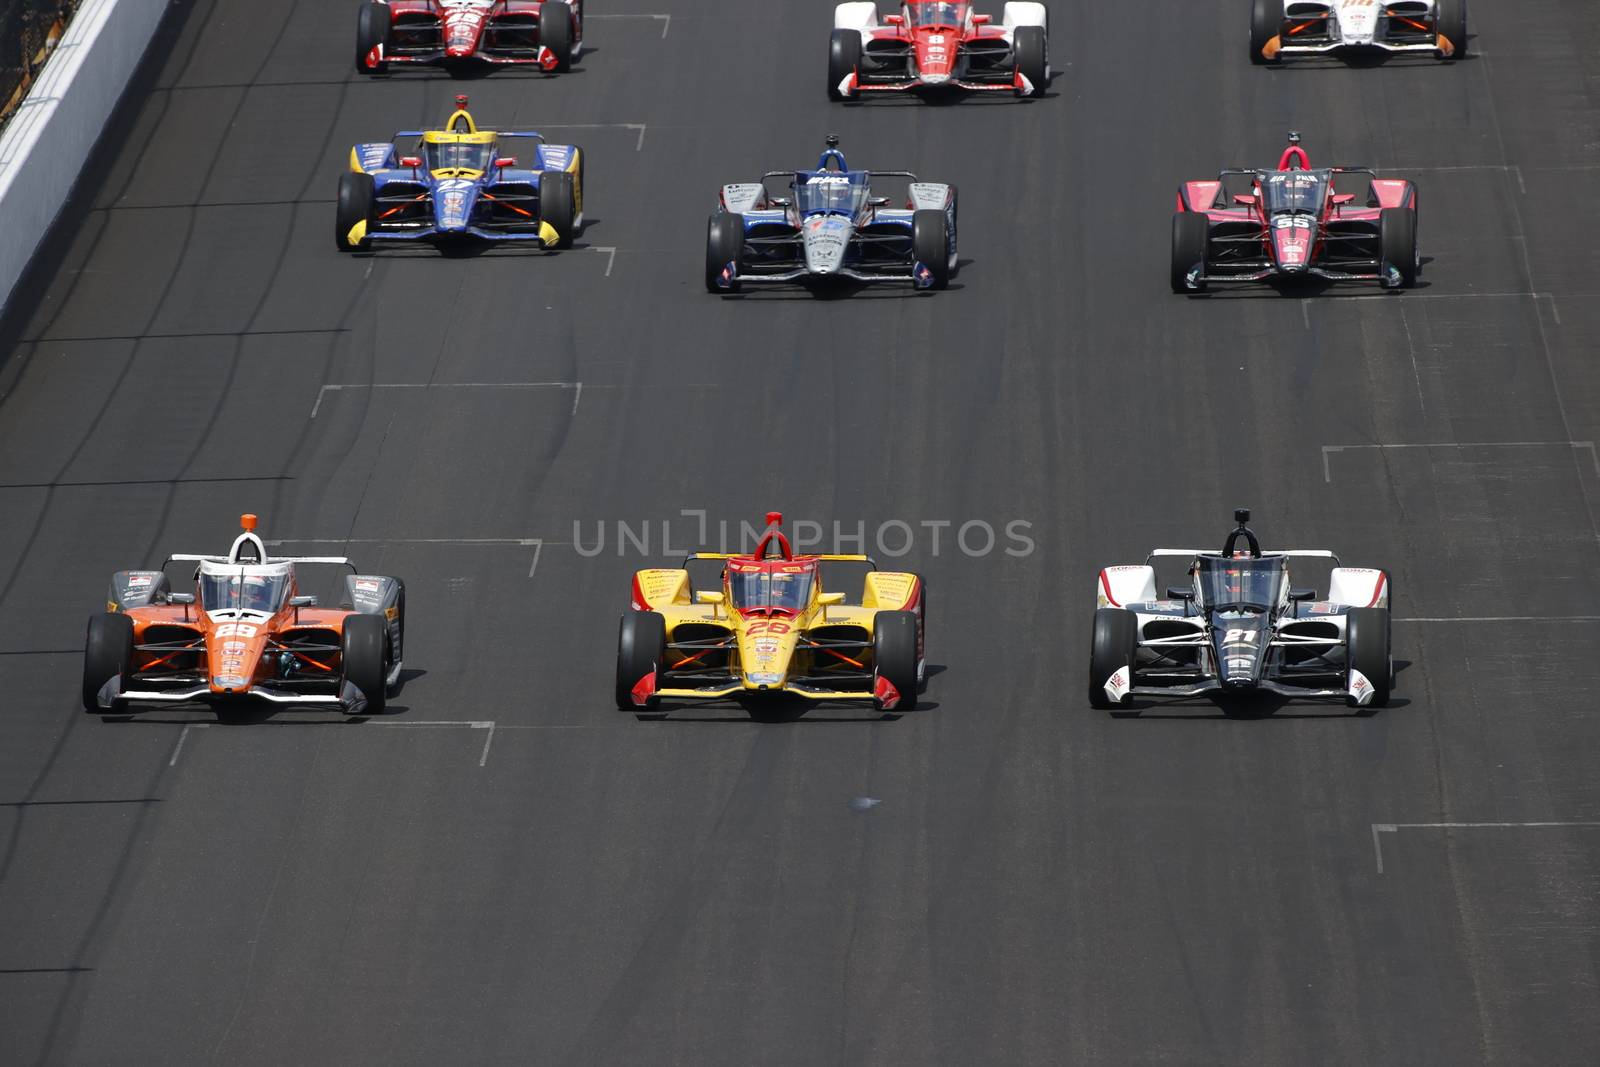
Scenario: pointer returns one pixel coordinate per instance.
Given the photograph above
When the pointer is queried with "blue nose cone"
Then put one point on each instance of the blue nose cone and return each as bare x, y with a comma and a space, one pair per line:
453, 201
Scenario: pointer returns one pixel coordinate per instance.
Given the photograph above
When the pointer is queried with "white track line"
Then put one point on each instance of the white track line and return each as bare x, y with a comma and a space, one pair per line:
1393, 827
1506, 618
182, 737
665, 20
1327, 473
638, 145
576, 387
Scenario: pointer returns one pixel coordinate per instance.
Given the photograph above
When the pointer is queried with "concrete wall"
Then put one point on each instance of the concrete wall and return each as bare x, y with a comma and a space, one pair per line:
48, 140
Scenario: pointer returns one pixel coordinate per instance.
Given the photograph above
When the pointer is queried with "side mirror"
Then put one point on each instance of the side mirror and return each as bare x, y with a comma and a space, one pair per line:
411, 161
982, 20
180, 598
780, 201
1302, 594
829, 599
894, 20
707, 597
1178, 592
1343, 198
878, 201
506, 161
302, 602
1244, 198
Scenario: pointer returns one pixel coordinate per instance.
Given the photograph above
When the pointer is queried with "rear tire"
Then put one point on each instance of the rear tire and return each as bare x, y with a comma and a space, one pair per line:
1032, 52
356, 192
1397, 244
1191, 232
930, 244
1116, 642
1266, 22
363, 660
372, 29
1367, 650
107, 654
641, 650
558, 205
1452, 23
844, 56
556, 35
724, 245
894, 655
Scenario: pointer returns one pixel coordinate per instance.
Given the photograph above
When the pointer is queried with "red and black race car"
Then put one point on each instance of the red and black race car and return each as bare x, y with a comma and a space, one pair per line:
543, 33
1295, 222
936, 46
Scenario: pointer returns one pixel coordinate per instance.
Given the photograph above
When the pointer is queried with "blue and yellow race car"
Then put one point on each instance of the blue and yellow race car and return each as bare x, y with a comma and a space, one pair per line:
457, 186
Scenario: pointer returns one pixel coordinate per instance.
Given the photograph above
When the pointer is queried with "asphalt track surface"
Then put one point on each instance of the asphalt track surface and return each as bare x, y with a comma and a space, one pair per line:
1038, 883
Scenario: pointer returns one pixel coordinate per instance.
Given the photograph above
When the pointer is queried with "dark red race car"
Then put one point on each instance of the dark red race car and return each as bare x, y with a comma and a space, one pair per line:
1295, 222
938, 46
458, 33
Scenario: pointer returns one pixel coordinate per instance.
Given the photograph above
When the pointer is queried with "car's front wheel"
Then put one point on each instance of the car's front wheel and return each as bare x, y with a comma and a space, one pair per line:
1366, 635
1451, 22
641, 652
372, 35
1191, 231
724, 247
894, 657
555, 33
107, 654
1266, 22
356, 192
1397, 241
930, 245
558, 205
844, 56
1116, 642
1033, 57
363, 658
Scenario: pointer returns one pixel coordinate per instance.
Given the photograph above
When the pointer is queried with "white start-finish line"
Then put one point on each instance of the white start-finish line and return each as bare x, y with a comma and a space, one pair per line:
1396, 827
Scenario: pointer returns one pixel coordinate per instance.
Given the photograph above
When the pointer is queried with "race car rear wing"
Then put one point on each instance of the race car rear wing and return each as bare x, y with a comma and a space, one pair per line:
338, 561
498, 133
1303, 553
742, 555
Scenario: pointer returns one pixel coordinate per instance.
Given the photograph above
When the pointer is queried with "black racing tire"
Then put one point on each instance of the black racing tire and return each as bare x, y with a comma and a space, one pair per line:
107, 654
1397, 244
1191, 232
372, 29
1116, 642
397, 652
558, 205
844, 56
1451, 16
641, 650
1266, 22
1366, 636
930, 244
894, 655
356, 193
1031, 50
364, 660
724, 245
557, 35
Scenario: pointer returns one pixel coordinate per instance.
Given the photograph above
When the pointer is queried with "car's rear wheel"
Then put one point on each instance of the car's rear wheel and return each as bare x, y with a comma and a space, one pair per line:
555, 33
356, 192
844, 56
894, 657
558, 205
1366, 635
1116, 642
1397, 243
1031, 49
930, 244
1191, 231
641, 652
363, 660
1452, 25
107, 654
1266, 22
372, 31
724, 245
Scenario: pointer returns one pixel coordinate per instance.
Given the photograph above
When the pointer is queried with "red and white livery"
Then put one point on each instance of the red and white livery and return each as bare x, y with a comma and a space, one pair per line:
938, 45
543, 33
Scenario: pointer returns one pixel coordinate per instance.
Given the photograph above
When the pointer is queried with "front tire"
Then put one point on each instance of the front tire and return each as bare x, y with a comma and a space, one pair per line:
1191, 231
107, 654
363, 658
558, 205
1397, 245
1366, 636
372, 31
1116, 642
844, 57
930, 244
556, 34
724, 245
1266, 22
641, 652
1451, 23
356, 193
1032, 51
894, 656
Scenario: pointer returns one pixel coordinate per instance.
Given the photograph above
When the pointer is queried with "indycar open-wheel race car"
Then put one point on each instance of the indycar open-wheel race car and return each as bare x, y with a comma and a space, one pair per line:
458, 187
547, 34
1240, 628
244, 634
771, 629
938, 46
831, 226
1295, 222
1284, 29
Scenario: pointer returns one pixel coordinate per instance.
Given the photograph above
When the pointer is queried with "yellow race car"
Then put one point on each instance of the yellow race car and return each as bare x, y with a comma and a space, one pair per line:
772, 629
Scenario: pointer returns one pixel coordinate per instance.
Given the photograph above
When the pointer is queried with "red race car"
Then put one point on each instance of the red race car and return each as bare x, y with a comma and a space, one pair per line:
1295, 222
938, 45
546, 33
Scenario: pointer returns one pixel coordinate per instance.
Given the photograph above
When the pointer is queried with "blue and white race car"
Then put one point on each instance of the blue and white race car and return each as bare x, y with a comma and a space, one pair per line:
830, 226
457, 186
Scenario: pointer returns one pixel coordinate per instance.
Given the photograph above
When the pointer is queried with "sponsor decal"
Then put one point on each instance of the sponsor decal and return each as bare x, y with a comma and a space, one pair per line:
234, 648
136, 581
236, 629
368, 585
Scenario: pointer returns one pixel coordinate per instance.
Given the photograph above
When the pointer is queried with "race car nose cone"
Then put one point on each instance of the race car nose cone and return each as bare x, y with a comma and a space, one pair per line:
826, 240
935, 79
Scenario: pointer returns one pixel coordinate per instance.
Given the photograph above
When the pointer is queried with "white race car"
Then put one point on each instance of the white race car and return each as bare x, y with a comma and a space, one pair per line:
1240, 628
1282, 29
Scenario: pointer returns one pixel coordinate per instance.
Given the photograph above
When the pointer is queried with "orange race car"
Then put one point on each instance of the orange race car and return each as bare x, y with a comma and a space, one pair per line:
252, 636
772, 629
